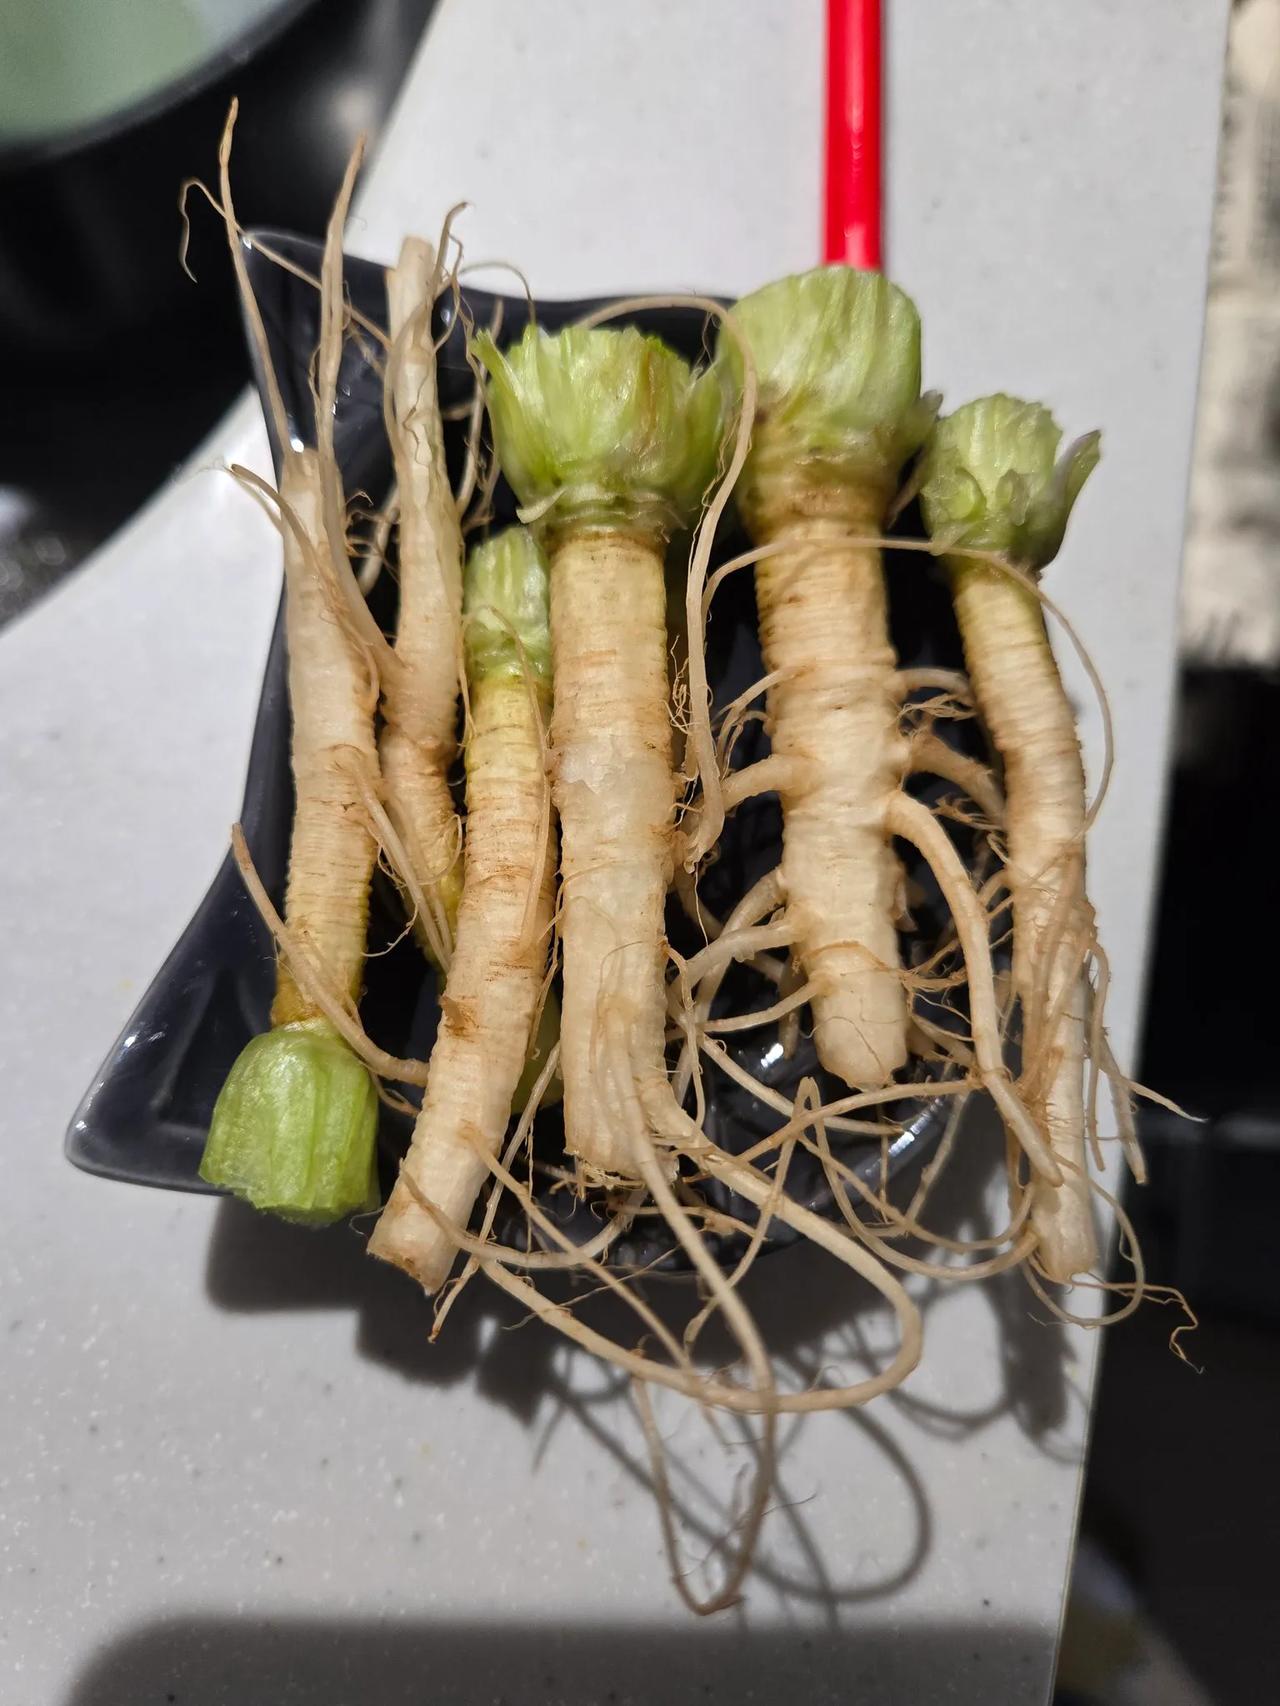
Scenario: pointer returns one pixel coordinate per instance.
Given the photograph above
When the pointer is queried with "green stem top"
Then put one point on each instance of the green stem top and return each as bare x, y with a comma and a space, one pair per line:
992, 480
294, 1129
602, 427
504, 602
836, 353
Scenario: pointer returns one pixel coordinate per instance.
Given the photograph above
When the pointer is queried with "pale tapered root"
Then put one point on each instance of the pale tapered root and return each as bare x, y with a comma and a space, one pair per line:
614, 790
420, 689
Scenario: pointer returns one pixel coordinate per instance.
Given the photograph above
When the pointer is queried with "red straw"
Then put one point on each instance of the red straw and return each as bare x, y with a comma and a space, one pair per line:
853, 216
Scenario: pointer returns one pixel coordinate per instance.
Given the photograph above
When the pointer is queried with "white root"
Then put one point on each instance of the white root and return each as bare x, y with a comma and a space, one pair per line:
491, 995
837, 757
1020, 693
614, 789
421, 686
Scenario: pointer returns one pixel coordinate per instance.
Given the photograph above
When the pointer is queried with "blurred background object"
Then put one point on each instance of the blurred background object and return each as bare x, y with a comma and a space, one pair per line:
1213, 944
104, 110
1183, 1538
1231, 574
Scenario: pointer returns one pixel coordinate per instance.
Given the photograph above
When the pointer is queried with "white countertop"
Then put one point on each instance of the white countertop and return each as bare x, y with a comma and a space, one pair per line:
233, 1471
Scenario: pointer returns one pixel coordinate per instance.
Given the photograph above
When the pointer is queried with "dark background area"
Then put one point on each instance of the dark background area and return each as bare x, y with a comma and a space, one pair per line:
1180, 1490
96, 312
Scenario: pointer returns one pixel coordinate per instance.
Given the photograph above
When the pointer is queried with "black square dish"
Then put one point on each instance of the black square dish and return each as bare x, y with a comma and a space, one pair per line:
146, 1115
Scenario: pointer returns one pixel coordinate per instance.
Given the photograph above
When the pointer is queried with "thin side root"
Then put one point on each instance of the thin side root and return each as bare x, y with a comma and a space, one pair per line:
930, 755
909, 819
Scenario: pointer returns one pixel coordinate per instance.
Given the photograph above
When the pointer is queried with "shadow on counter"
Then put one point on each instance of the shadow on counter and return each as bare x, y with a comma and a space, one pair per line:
206, 1661
258, 1264
814, 1316
536, 1376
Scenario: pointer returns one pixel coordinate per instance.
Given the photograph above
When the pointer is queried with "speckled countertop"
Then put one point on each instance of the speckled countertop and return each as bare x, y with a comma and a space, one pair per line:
232, 1470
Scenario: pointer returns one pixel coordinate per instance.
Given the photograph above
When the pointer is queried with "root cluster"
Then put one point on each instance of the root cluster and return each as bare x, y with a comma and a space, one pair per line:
711, 1203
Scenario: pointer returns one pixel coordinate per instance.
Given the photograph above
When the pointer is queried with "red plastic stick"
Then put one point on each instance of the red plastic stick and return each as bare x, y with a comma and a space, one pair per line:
853, 215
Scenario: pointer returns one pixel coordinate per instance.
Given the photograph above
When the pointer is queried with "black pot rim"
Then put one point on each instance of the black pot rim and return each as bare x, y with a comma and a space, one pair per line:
23, 155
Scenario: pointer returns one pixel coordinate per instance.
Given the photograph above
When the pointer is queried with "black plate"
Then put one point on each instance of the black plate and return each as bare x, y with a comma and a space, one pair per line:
147, 1113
